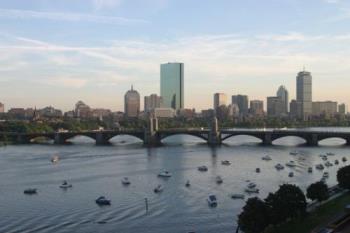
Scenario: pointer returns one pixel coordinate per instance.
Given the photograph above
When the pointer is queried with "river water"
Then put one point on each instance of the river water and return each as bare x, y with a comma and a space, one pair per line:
98, 170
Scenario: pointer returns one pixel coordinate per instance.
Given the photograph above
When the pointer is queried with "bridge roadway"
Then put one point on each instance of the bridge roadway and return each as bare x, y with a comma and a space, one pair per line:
267, 136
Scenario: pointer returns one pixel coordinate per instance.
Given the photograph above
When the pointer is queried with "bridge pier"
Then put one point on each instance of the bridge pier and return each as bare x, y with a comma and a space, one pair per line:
59, 139
151, 137
214, 136
312, 140
348, 141
22, 139
101, 139
267, 140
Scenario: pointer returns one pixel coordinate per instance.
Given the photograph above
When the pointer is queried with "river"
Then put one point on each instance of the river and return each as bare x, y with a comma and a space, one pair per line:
98, 170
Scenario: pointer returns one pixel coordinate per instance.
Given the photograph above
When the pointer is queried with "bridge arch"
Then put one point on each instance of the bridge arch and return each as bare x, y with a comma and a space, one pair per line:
333, 140
225, 137
296, 140
139, 137
196, 135
72, 137
39, 137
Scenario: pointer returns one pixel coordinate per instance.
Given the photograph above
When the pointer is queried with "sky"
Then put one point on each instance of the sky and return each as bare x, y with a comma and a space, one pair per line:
54, 53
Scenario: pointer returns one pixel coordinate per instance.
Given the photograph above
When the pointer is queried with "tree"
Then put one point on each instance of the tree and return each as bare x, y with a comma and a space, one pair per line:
288, 202
343, 177
254, 217
318, 191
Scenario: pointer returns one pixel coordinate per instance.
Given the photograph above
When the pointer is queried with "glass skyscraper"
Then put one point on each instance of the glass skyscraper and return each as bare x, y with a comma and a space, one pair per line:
172, 85
304, 93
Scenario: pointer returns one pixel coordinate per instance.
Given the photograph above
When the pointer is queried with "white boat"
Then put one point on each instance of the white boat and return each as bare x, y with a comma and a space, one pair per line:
126, 181
251, 185
266, 158
212, 201
291, 164
294, 152
237, 196
219, 180
325, 175
279, 166
55, 159
324, 158
291, 174
330, 154
203, 168
319, 167
328, 164
251, 190
165, 174
309, 169
158, 189
65, 185
188, 184
226, 162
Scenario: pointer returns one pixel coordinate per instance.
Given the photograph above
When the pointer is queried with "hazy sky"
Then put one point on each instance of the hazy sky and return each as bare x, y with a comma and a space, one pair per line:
58, 52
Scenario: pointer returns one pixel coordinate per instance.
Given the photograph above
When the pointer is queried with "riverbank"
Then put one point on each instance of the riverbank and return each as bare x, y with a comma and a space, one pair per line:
321, 215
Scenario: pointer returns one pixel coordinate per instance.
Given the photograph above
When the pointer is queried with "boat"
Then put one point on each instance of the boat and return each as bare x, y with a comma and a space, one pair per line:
188, 184
219, 180
266, 158
323, 180
324, 158
328, 164
336, 162
212, 201
126, 181
226, 162
165, 174
294, 152
309, 169
102, 201
203, 168
319, 167
251, 190
291, 164
257, 170
251, 185
30, 191
237, 196
279, 166
330, 154
291, 174
325, 175
158, 189
65, 185
344, 159
55, 159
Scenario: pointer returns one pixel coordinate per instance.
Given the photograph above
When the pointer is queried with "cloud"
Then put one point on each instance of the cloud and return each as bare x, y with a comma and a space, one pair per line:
68, 82
71, 17
101, 4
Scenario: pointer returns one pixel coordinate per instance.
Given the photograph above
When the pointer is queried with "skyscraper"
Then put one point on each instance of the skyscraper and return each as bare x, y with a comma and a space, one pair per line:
151, 102
275, 106
132, 103
219, 100
283, 94
342, 109
257, 107
172, 85
242, 103
304, 93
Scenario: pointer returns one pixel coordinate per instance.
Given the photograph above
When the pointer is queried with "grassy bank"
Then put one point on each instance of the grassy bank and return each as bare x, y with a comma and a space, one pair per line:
320, 216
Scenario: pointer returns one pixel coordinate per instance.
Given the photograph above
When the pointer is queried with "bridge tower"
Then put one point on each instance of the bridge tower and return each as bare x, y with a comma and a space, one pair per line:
214, 137
152, 137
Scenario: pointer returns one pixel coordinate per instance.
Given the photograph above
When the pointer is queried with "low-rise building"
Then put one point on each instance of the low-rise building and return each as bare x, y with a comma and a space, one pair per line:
328, 108
163, 112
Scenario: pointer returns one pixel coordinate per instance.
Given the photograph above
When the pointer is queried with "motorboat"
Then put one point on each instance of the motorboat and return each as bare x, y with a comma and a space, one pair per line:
324, 158
330, 154
219, 180
291, 164
319, 167
65, 185
257, 170
212, 201
291, 174
325, 175
266, 158
55, 159
226, 162
103, 201
158, 189
251, 185
294, 152
237, 196
165, 174
344, 159
126, 181
279, 166
336, 162
251, 190
309, 169
203, 168
188, 184
328, 164
30, 191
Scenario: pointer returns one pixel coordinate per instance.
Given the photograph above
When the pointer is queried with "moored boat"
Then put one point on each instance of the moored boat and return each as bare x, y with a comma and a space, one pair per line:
65, 185
212, 201
158, 189
165, 174
203, 168
103, 201
30, 191
126, 181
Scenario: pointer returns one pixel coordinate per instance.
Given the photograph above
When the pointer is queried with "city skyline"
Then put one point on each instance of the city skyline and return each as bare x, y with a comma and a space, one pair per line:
95, 51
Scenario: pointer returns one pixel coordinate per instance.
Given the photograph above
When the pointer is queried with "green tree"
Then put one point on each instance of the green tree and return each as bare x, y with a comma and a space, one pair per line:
343, 177
318, 191
287, 203
254, 217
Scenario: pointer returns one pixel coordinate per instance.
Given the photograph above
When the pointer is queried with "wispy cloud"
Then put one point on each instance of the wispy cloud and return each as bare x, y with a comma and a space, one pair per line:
101, 4
72, 17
